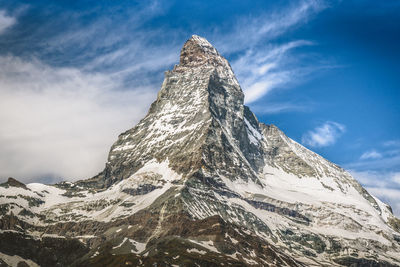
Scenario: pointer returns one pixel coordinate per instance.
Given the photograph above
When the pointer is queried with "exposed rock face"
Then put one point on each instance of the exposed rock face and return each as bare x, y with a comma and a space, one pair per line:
13, 182
200, 180
197, 121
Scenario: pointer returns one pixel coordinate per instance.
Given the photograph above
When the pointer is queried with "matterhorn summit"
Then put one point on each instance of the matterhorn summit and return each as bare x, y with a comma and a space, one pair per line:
199, 181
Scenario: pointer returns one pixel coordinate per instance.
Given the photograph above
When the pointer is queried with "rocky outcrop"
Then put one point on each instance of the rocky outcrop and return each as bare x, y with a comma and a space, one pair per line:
13, 182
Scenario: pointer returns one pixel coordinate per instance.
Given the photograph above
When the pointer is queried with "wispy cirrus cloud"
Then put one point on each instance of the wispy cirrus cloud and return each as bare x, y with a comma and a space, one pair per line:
250, 31
324, 135
280, 107
263, 64
371, 154
267, 69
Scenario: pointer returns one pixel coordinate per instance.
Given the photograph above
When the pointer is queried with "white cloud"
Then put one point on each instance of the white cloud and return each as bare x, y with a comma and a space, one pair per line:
371, 154
324, 135
5, 21
61, 121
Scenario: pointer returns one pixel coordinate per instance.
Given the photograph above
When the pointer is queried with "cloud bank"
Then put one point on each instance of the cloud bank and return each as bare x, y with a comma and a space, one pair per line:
61, 121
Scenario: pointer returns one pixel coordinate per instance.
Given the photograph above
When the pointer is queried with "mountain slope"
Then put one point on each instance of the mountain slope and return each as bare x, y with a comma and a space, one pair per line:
200, 181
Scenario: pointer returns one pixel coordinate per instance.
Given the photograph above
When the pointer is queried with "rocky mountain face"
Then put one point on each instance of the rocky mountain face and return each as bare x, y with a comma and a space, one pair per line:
200, 182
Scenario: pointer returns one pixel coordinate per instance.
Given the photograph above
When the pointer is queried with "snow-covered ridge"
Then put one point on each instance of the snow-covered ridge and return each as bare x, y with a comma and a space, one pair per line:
121, 199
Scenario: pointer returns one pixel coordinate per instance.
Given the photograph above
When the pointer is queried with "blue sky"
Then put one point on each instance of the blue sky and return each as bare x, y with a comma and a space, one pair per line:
74, 74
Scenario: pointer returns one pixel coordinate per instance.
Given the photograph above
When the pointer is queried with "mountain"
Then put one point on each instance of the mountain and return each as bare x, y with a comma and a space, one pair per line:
199, 181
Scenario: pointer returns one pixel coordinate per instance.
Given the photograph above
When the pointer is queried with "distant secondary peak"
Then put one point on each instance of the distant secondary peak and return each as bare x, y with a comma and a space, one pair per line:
198, 51
13, 182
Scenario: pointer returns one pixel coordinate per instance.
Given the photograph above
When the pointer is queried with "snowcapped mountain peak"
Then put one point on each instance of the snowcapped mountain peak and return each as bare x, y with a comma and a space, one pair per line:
200, 179
198, 98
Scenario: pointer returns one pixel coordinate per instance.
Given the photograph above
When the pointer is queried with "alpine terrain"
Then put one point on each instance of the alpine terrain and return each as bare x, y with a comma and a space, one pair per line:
200, 182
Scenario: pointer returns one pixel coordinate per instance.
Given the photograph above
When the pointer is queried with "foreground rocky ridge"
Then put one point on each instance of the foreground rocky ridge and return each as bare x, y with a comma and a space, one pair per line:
200, 181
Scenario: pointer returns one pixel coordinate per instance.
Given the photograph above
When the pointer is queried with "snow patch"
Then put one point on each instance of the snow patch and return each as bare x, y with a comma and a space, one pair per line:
194, 250
206, 244
254, 135
140, 247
